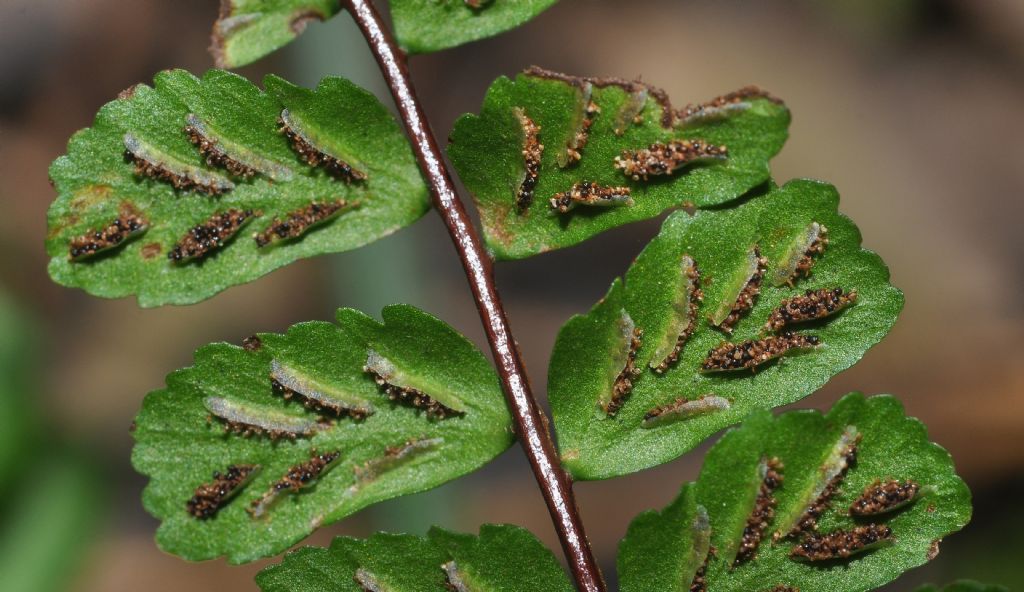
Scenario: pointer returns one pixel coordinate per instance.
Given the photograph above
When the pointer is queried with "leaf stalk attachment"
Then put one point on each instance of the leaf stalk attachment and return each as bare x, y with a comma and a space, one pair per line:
531, 424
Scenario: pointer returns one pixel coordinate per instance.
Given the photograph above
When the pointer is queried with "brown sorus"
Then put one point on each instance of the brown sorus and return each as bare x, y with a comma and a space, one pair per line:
394, 456
532, 151
252, 343
666, 158
318, 405
752, 353
215, 156
783, 588
800, 257
209, 498
209, 236
590, 194
128, 223
721, 104
684, 408
747, 297
811, 306
247, 430
841, 544
297, 477
884, 496
303, 473
699, 582
692, 296
574, 150
623, 384
297, 222
144, 168
847, 456
150, 165
313, 156
414, 397
764, 510
806, 262
237, 419
476, 4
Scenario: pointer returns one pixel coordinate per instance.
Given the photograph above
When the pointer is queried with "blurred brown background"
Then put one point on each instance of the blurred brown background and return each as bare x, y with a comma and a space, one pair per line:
912, 108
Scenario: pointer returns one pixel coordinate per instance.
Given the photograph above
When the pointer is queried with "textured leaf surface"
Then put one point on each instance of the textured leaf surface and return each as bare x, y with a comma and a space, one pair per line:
595, 446
892, 445
963, 586
247, 30
422, 26
501, 559
487, 152
396, 450
96, 183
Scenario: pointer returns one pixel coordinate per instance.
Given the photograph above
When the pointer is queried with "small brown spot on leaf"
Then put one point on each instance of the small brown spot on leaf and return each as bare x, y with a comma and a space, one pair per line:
151, 250
90, 195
